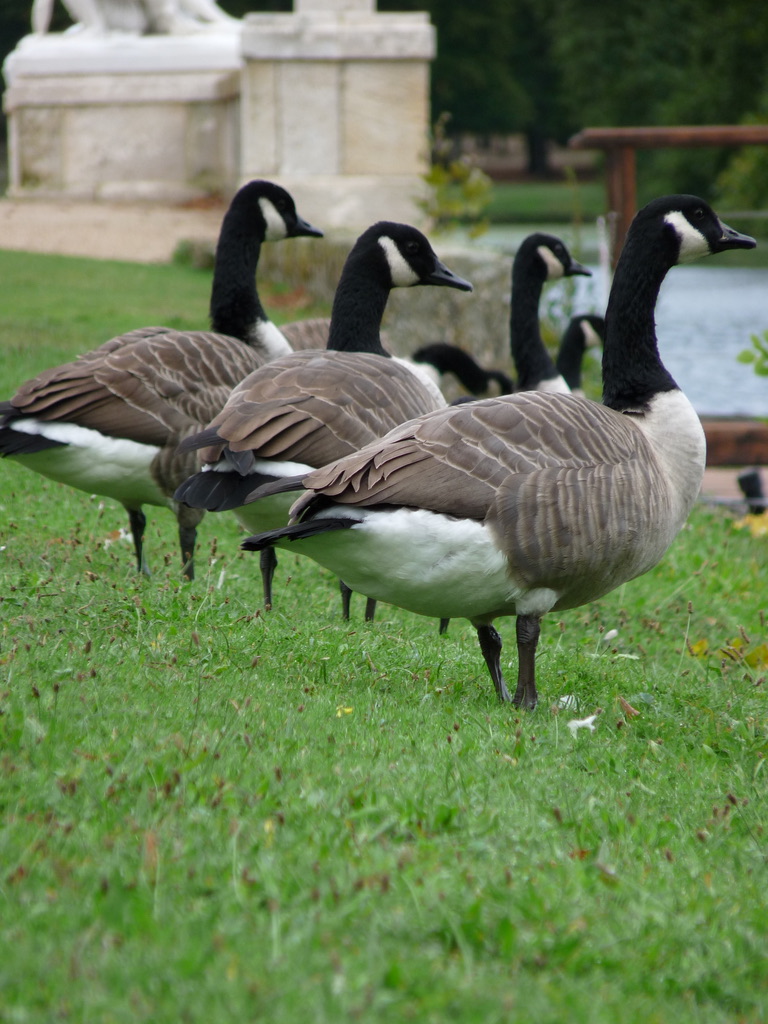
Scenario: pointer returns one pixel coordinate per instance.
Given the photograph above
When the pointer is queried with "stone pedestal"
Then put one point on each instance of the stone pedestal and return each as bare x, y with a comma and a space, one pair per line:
331, 101
335, 106
123, 117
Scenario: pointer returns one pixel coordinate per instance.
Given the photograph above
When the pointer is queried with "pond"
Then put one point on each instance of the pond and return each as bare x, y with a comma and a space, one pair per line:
704, 318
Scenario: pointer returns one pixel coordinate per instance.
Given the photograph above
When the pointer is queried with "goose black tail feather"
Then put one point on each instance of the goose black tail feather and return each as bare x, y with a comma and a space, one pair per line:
15, 442
218, 492
207, 438
273, 486
296, 531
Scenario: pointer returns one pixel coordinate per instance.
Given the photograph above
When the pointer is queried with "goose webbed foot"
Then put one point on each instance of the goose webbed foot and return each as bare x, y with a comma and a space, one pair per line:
267, 564
528, 629
490, 645
138, 522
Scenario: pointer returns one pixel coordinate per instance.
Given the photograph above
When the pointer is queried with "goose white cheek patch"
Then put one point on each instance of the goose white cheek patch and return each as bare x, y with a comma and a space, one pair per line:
275, 224
693, 244
403, 274
555, 268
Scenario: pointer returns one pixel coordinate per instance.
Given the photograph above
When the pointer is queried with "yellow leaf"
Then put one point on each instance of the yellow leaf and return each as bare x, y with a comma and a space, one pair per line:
758, 657
757, 525
700, 649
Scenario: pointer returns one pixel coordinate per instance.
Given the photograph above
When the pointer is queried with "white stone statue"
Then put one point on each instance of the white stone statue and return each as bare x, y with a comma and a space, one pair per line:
141, 17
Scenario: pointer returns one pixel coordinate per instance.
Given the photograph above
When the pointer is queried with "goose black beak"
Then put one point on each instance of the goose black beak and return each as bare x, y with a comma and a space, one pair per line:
577, 268
732, 239
443, 276
303, 227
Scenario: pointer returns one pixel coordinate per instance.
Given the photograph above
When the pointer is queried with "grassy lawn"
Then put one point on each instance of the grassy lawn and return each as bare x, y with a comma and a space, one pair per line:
546, 202
211, 813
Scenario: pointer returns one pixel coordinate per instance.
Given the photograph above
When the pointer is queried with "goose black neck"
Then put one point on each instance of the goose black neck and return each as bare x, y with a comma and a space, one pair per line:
235, 305
358, 307
532, 361
571, 354
632, 368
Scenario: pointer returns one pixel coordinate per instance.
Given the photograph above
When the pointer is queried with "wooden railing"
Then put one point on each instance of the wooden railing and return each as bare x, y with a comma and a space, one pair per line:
620, 146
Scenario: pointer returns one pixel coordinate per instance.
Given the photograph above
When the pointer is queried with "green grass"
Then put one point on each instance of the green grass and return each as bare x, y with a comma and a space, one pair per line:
211, 813
546, 202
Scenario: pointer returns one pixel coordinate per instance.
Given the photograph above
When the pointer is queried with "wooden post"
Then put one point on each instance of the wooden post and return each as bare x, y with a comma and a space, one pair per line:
620, 145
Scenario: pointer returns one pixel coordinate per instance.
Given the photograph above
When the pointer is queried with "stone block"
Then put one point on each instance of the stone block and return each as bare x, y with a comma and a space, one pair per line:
385, 114
308, 118
150, 118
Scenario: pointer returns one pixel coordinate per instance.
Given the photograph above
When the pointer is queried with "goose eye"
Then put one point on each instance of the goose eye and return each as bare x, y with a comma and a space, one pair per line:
412, 248
698, 213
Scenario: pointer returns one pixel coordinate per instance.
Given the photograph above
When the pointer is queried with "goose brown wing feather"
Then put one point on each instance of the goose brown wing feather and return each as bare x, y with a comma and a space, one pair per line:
150, 385
457, 460
182, 380
314, 407
307, 334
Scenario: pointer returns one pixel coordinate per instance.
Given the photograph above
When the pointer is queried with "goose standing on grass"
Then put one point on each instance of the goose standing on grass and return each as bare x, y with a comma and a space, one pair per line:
109, 422
308, 408
533, 502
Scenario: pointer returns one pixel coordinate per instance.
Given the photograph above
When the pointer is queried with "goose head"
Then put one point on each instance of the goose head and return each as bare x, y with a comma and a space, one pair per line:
387, 255
683, 228
401, 257
269, 212
548, 258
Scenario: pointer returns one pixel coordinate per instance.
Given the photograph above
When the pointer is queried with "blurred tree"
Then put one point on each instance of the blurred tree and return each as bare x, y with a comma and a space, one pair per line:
656, 62
494, 72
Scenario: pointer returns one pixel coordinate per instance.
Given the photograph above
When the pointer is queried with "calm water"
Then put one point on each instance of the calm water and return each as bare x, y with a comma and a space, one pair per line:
704, 318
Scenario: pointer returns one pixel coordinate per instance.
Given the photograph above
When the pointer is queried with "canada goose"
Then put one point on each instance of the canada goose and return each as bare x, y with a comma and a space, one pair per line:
584, 331
307, 408
539, 258
531, 502
109, 422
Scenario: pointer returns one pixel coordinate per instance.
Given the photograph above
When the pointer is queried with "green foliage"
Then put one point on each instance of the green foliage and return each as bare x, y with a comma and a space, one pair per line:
458, 192
617, 69
757, 356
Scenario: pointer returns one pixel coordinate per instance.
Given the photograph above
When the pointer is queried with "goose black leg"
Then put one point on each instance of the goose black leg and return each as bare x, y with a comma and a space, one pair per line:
346, 594
187, 541
188, 520
267, 564
528, 629
138, 522
490, 645
443, 626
